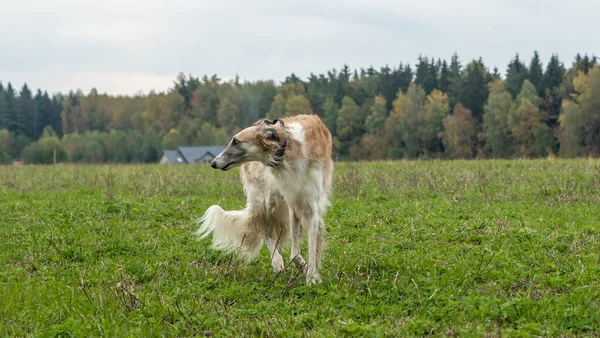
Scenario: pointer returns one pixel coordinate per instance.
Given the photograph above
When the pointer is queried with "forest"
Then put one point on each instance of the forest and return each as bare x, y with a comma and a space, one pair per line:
434, 109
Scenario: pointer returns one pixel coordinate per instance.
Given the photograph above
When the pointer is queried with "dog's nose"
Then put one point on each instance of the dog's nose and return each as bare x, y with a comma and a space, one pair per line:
213, 164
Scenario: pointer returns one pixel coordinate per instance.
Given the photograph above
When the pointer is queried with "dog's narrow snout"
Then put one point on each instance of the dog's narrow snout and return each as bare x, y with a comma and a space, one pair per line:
213, 164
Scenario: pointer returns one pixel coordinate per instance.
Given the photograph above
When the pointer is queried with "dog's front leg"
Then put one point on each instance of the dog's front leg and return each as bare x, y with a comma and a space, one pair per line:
274, 246
296, 228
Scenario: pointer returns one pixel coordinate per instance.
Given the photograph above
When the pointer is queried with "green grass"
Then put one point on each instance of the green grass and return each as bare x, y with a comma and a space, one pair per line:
460, 248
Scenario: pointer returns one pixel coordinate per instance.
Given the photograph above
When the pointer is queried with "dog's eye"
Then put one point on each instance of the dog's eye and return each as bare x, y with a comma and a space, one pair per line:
272, 136
235, 142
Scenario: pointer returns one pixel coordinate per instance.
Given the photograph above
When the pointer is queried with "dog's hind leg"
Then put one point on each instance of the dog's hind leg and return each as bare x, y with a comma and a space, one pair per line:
296, 228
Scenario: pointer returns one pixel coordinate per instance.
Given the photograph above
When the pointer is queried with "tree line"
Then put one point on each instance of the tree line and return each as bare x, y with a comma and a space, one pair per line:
434, 109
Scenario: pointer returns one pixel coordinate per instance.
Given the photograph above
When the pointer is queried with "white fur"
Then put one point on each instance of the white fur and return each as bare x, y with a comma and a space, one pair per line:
280, 202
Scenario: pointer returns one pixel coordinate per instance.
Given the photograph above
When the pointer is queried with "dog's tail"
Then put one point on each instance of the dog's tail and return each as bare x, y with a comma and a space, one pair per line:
232, 231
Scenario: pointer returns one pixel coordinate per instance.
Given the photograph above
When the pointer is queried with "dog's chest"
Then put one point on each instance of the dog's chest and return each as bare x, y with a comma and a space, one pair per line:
297, 182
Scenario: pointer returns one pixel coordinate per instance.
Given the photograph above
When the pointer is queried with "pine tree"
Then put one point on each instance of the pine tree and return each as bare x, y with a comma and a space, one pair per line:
344, 79
56, 104
584, 64
12, 108
422, 70
38, 115
444, 80
554, 73
426, 75
553, 97
4, 114
475, 88
404, 78
455, 82
536, 73
496, 73
388, 87
315, 92
25, 119
516, 73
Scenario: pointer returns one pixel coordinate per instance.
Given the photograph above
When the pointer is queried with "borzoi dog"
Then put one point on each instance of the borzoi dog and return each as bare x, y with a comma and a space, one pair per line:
286, 170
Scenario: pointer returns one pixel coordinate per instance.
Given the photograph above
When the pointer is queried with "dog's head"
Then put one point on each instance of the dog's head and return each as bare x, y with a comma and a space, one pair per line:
264, 141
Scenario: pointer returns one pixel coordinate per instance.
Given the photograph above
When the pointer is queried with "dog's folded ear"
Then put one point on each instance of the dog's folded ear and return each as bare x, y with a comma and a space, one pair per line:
280, 121
272, 135
269, 122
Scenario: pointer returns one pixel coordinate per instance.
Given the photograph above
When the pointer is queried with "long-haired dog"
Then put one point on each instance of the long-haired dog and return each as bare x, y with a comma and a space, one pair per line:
286, 171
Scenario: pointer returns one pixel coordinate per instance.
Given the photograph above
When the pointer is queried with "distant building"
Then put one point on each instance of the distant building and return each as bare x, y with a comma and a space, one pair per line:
190, 155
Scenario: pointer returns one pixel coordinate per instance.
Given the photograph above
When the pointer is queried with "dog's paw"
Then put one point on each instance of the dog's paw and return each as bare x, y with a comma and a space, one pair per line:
277, 264
313, 278
300, 263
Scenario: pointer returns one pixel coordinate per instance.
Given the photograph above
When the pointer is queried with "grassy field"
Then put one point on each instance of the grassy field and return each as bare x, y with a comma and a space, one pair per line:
483, 248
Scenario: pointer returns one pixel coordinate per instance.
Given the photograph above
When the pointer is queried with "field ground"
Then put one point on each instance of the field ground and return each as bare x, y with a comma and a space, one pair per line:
457, 248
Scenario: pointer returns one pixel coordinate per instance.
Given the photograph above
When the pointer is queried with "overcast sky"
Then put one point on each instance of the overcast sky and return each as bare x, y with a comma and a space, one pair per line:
125, 46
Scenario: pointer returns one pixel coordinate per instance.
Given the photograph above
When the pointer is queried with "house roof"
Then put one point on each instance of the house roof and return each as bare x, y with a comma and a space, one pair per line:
192, 154
171, 155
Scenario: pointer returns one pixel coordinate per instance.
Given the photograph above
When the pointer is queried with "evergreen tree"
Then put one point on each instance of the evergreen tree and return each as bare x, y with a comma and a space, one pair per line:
38, 105
444, 80
455, 82
56, 104
475, 88
316, 93
516, 73
25, 119
426, 75
584, 64
496, 73
553, 97
388, 84
4, 114
12, 110
404, 77
554, 73
536, 73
